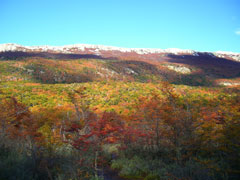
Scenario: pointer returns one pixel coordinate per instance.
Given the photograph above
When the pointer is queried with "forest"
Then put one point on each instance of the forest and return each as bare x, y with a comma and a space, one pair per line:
81, 118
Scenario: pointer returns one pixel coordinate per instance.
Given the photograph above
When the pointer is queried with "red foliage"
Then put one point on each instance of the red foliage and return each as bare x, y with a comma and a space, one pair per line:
106, 129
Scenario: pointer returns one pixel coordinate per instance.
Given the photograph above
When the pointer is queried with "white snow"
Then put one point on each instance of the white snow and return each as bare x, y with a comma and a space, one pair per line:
71, 49
195, 54
229, 83
233, 55
9, 47
83, 47
130, 71
180, 69
227, 53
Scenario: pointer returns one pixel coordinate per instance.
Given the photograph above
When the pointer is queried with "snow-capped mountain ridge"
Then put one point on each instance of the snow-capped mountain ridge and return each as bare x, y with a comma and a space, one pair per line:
82, 47
97, 49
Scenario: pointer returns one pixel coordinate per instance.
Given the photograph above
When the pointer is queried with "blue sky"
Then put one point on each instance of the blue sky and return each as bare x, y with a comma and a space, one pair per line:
204, 25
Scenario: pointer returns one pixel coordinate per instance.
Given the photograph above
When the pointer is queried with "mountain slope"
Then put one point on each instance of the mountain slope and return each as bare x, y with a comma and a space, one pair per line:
84, 63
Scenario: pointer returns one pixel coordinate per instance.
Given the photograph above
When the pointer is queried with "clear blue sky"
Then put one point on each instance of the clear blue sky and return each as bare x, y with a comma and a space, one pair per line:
205, 25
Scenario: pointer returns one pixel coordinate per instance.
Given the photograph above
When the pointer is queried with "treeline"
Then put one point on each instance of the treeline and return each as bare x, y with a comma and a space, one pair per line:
167, 135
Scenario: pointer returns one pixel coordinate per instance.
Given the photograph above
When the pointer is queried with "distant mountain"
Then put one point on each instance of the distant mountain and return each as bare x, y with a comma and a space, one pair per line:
84, 63
116, 52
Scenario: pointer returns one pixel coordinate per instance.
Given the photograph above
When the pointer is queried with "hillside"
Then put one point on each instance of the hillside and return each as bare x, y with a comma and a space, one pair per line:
87, 63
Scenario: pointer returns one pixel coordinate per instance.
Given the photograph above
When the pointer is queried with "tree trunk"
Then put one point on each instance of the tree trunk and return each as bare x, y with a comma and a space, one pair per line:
95, 164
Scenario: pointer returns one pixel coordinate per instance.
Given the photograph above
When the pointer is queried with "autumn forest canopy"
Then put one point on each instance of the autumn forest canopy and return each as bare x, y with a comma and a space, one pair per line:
87, 117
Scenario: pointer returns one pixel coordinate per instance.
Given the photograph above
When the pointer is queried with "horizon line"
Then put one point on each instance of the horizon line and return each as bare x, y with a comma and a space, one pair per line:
112, 46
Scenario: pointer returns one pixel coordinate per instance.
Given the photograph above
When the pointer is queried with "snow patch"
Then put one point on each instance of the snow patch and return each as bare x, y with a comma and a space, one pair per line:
223, 54
9, 47
130, 71
195, 54
229, 83
179, 69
